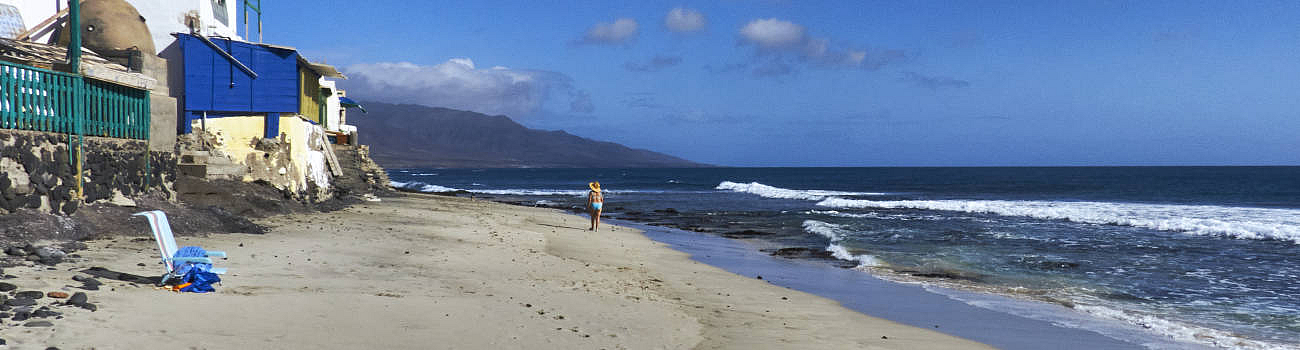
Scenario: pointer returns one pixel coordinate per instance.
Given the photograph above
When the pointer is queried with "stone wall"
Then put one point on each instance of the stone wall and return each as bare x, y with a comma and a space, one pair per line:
35, 171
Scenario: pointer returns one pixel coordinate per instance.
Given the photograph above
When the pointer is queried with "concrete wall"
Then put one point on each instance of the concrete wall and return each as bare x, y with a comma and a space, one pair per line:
35, 172
168, 16
163, 108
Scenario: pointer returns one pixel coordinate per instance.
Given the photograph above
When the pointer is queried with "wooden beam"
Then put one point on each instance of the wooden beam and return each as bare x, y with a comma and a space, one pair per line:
27, 34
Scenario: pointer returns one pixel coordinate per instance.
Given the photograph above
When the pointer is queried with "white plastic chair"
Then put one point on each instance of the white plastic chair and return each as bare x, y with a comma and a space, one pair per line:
162, 233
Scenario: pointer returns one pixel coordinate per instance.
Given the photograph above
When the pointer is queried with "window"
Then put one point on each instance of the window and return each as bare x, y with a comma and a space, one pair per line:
219, 12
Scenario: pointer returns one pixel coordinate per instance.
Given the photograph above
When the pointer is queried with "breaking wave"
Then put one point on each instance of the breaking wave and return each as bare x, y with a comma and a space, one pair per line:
427, 188
777, 192
424, 187
1236, 222
835, 234
420, 186
1180, 331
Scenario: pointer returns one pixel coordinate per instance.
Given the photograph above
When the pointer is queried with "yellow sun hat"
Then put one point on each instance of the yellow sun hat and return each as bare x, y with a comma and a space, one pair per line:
595, 186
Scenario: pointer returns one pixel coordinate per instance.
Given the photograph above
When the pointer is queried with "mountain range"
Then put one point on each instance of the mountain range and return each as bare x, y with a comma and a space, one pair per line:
415, 136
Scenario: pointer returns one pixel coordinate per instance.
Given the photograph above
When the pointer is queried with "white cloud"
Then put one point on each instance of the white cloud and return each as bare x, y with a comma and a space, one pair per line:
780, 42
684, 20
773, 34
458, 84
621, 31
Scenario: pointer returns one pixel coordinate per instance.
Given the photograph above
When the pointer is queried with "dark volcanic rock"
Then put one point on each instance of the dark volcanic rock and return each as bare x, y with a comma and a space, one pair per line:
77, 298
29, 294
87, 280
5, 286
802, 253
745, 234
15, 251
20, 302
40, 323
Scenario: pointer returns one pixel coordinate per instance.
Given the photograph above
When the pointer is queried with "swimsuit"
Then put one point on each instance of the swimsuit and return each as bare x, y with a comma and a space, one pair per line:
596, 205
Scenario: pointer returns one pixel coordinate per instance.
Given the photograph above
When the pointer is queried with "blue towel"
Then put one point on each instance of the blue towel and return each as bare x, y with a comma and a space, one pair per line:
183, 268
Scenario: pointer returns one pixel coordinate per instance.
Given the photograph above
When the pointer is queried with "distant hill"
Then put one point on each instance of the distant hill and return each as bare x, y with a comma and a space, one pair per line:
414, 136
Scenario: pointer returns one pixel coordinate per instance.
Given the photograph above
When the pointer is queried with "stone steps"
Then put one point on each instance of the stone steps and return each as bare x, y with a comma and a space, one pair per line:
203, 164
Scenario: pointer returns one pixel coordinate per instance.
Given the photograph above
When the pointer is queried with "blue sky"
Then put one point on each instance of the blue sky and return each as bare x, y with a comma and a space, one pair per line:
842, 83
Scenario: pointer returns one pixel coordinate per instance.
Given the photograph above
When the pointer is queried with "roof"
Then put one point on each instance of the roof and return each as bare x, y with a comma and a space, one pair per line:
324, 70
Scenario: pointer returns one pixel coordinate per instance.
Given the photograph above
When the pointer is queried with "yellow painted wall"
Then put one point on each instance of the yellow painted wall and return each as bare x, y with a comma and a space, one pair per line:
309, 98
237, 134
239, 137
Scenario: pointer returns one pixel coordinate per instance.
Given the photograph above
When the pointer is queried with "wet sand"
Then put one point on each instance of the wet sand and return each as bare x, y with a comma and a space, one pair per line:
420, 272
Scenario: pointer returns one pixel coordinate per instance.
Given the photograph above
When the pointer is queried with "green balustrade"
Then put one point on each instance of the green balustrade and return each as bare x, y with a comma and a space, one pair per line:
41, 100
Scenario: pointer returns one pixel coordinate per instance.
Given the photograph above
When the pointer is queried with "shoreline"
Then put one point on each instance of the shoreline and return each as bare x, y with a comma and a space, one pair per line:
1131, 325
1086, 330
999, 320
419, 270
1050, 321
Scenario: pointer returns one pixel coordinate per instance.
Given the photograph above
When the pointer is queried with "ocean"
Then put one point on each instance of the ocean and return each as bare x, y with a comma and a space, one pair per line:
1205, 255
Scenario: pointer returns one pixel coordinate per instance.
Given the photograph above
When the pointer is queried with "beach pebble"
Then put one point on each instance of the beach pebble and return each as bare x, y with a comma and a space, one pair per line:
884, 337
86, 280
45, 313
5, 287
29, 294
21, 316
50, 252
57, 295
88, 306
20, 302
77, 298
15, 251
40, 323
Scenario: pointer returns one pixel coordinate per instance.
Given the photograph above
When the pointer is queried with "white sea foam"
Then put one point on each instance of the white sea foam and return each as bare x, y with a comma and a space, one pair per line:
424, 187
425, 174
1238, 222
420, 186
1180, 331
522, 192
835, 234
777, 192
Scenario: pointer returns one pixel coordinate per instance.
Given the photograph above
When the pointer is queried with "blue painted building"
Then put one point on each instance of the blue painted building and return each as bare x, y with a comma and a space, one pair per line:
235, 78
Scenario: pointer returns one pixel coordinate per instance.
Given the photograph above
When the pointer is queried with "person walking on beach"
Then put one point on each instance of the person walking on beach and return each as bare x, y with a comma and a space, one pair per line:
595, 200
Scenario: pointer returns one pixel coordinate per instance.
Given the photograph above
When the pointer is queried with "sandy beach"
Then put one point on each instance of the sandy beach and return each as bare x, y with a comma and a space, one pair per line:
419, 272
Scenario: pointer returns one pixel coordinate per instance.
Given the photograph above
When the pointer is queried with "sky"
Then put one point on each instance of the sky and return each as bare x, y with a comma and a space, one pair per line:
841, 83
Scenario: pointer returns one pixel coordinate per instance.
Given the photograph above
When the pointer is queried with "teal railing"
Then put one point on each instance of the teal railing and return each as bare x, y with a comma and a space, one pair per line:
42, 100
